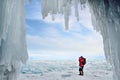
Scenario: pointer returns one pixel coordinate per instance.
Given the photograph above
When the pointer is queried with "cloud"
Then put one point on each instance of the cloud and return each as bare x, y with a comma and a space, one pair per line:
90, 45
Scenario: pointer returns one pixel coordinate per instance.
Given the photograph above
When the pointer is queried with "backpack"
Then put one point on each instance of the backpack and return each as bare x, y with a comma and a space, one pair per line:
84, 61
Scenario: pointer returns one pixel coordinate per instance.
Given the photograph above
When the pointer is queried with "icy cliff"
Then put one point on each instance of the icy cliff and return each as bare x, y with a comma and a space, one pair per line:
105, 19
12, 38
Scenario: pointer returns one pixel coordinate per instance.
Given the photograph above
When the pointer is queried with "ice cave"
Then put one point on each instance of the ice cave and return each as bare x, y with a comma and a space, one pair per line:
105, 19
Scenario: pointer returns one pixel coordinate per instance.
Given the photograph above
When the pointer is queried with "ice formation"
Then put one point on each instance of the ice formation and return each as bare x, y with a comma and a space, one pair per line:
105, 19
61, 7
13, 50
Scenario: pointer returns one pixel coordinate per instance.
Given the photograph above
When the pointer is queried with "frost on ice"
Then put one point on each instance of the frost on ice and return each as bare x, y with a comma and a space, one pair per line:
105, 19
12, 38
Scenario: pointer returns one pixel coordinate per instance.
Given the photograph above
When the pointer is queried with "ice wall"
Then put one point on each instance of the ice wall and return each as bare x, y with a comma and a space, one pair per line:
13, 50
105, 19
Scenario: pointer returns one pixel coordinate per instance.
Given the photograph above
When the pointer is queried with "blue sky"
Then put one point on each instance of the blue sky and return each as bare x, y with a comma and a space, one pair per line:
48, 40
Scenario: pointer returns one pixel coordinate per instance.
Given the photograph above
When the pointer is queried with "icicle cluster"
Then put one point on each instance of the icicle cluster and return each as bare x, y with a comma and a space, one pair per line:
61, 7
105, 19
12, 38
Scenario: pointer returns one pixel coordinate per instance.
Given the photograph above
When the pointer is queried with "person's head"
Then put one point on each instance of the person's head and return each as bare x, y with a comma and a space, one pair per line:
81, 57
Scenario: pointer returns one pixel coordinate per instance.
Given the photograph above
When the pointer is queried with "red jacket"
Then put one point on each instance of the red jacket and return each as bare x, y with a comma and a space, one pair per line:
82, 61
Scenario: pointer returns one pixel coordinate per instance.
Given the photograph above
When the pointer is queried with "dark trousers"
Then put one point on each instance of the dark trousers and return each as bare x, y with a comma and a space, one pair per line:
81, 70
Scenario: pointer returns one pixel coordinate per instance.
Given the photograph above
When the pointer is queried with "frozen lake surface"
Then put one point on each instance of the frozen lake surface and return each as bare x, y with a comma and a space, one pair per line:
66, 70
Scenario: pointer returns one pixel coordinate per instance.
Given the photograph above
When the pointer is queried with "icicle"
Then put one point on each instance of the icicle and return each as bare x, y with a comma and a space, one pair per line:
76, 9
66, 15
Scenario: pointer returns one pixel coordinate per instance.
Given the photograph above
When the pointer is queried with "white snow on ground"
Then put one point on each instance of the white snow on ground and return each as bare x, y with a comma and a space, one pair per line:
65, 70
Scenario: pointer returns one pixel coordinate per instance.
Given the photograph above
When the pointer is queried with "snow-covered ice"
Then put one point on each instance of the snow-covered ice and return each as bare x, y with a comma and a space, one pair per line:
65, 70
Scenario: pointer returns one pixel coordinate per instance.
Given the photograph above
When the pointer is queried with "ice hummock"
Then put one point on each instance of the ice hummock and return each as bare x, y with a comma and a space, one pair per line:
65, 70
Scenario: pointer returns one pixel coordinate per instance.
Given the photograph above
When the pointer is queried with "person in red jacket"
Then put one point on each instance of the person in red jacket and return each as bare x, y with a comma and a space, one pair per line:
82, 62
